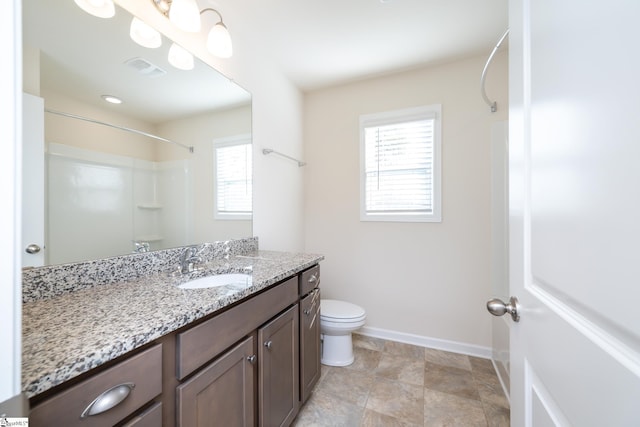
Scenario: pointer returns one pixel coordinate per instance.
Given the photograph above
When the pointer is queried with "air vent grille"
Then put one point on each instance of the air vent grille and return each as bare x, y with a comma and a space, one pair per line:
144, 67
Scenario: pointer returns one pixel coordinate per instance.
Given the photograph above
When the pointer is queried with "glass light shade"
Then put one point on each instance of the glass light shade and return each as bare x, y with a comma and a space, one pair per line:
180, 58
144, 35
99, 8
219, 41
185, 15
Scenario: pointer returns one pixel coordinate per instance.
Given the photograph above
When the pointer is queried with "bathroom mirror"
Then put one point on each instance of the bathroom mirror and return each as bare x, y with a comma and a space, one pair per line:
110, 191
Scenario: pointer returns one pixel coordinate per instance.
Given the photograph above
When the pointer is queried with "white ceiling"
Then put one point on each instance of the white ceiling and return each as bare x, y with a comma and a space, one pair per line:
322, 43
314, 43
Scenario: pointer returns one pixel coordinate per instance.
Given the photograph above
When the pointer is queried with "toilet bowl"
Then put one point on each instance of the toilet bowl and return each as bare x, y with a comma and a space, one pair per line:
338, 319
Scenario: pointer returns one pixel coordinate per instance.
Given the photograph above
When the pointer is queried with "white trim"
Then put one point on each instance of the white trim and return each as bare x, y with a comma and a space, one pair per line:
10, 194
422, 341
433, 111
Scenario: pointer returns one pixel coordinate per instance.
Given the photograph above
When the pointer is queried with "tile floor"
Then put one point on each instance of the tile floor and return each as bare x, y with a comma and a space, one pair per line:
395, 384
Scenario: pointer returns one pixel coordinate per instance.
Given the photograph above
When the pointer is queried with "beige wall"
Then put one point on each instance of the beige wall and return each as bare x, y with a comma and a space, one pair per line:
427, 279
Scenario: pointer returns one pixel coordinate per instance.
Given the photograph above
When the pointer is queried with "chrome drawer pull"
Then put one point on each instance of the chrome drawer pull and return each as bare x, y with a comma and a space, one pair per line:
313, 278
268, 344
252, 359
108, 399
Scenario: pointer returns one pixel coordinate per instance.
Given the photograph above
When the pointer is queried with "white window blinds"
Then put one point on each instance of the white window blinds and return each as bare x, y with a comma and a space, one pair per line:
400, 168
233, 179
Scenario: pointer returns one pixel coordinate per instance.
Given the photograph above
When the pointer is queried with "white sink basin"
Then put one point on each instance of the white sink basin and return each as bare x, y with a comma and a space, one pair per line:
217, 280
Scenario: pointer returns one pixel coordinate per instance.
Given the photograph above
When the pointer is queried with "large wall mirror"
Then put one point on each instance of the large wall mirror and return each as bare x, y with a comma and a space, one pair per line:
109, 191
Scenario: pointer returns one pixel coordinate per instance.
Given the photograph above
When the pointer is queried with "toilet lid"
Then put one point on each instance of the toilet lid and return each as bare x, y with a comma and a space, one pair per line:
334, 309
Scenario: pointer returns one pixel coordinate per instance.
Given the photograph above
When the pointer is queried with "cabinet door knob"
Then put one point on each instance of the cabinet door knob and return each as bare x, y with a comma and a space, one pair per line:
268, 344
108, 399
313, 278
252, 359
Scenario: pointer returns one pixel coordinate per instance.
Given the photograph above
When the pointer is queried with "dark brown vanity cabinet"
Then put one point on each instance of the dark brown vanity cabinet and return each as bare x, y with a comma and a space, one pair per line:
109, 397
309, 282
278, 387
218, 364
252, 364
222, 393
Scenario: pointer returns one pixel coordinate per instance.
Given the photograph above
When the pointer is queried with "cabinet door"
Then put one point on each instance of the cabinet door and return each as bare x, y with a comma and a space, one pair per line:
309, 343
278, 370
223, 393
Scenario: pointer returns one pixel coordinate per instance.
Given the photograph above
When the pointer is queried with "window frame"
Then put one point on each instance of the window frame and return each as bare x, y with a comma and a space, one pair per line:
433, 111
244, 139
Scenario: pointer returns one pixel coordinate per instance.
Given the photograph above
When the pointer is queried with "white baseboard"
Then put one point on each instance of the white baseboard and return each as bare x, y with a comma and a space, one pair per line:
439, 344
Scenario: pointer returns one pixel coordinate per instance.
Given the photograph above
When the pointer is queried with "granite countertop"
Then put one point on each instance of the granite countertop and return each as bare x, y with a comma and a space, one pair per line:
70, 334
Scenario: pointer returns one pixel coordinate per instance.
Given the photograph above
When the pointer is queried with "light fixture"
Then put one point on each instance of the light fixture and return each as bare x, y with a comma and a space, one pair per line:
112, 99
219, 39
180, 57
144, 35
99, 8
184, 14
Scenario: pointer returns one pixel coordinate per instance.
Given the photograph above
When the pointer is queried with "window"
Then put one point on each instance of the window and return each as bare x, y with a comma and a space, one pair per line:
233, 173
400, 165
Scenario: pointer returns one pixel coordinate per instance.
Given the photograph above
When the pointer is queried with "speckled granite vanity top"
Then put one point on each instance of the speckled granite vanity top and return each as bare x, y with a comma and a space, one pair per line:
69, 334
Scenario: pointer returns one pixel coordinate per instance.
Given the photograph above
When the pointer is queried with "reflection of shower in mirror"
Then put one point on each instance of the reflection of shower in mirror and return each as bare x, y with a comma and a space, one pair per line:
101, 204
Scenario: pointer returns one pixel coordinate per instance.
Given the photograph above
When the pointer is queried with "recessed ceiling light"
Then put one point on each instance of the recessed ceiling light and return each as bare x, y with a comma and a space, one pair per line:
112, 99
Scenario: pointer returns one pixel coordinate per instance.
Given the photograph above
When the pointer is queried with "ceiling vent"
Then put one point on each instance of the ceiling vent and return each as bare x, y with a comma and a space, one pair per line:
145, 67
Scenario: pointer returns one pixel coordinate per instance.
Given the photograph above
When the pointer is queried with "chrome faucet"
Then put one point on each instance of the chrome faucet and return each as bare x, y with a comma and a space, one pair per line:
188, 258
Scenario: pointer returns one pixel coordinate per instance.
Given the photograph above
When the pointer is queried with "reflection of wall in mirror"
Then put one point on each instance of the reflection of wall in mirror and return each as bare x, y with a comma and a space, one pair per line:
200, 131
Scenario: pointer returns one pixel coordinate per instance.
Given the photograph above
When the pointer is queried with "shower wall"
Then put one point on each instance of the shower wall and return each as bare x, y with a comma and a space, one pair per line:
100, 204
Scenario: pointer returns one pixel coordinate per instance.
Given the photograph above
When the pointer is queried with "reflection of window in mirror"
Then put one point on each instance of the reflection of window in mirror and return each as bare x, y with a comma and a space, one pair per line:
232, 178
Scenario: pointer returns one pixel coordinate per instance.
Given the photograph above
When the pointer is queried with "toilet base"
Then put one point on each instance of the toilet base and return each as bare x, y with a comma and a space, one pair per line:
337, 350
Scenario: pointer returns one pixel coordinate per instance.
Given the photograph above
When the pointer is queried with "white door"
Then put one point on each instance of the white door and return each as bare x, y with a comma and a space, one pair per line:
33, 248
575, 212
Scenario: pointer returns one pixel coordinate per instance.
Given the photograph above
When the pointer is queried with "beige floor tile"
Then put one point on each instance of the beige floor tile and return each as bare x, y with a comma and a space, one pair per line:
375, 419
364, 359
401, 368
397, 399
403, 349
349, 384
443, 409
446, 358
492, 393
322, 410
362, 341
497, 416
450, 380
394, 384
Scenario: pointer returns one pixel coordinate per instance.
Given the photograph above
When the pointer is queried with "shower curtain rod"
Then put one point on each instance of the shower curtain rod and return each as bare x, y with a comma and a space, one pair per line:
139, 132
492, 104
266, 151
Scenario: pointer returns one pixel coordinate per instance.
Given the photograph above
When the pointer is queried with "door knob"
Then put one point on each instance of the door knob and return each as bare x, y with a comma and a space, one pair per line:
32, 249
497, 307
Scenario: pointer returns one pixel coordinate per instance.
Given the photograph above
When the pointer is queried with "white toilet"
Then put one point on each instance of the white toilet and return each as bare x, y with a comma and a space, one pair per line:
337, 320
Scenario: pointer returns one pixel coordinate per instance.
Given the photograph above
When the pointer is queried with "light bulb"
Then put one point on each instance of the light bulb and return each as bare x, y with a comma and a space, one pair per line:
99, 8
219, 41
185, 15
144, 35
180, 58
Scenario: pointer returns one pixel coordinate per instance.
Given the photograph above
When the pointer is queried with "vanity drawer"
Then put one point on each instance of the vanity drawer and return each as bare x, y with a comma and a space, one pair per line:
205, 341
309, 280
144, 371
